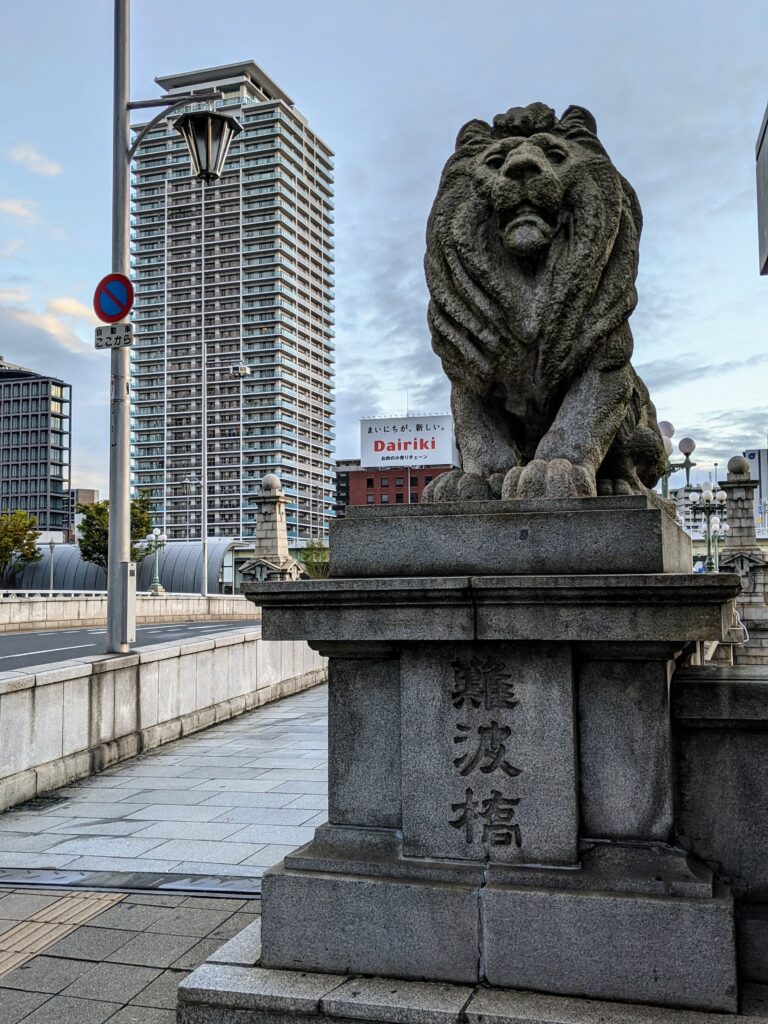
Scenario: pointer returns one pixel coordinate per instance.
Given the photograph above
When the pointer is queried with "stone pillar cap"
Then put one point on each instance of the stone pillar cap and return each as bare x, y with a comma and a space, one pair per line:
738, 468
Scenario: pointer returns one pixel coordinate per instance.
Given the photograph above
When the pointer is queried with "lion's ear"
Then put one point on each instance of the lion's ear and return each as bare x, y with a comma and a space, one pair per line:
579, 117
472, 133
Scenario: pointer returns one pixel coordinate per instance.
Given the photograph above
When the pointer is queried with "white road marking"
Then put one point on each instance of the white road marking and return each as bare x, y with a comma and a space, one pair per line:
47, 650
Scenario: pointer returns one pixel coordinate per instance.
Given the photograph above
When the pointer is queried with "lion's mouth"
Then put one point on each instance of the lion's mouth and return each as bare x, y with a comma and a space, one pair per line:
523, 214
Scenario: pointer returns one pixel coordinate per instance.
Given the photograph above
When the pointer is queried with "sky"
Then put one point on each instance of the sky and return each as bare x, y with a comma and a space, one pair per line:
678, 90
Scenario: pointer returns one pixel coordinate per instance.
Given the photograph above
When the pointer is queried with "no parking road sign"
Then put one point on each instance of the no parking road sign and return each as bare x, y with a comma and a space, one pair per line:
113, 298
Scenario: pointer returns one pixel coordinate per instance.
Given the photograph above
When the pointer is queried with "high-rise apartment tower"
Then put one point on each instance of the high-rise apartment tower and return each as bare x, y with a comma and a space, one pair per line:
229, 275
35, 444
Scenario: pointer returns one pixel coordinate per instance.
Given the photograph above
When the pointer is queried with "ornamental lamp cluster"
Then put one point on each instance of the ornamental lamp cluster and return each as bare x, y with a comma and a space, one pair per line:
712, 504
155, 542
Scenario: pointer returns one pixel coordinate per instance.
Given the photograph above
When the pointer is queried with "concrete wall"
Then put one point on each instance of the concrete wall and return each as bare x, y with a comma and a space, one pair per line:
61, 611
721, 725
78, 717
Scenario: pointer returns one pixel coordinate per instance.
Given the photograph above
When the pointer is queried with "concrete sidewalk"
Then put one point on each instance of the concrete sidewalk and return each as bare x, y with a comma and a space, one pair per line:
208, 812
89, 957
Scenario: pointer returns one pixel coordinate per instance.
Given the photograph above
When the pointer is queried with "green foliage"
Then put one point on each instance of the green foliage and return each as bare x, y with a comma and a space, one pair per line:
18, 544
315, 558
93, 531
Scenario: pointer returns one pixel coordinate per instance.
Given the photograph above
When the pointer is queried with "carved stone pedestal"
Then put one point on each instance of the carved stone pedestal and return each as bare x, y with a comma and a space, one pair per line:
501, 805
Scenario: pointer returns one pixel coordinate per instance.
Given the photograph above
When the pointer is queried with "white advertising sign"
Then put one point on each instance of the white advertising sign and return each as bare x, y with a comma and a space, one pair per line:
407, 441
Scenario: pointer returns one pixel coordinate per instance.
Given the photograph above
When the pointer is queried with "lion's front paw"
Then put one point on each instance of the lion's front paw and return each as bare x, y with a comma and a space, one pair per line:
458, 486
555, 479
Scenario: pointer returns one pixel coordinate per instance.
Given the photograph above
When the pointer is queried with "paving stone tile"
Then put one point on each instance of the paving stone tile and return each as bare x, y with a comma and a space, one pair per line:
121, 864
117, 983
166, 812
318, 819
188, 921
88, 943
7, 925
155, 899
143, 1015
190, 830
45, 974
114, 811
300, 788
27, 842
134, 917
153, 950
277, 815
268, 855
65, 1010
214, 761
18, 906
197, 955
19, 821
14, 1006
233, 926
118, 846
35, 860
230, 799
198, 775
260, 785
196, 867
161, 993
283, 835
243, 949
224, 852
90, 827
164, 796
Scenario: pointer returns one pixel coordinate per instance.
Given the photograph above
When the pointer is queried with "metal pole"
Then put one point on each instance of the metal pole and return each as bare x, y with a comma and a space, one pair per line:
119, 629
204, 414
53, 550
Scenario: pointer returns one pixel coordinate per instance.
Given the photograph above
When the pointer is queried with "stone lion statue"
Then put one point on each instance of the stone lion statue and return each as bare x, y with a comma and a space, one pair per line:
532, 250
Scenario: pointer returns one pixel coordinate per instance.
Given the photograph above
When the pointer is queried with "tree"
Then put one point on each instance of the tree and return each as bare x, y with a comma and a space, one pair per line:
18, 544
315, 558
93, 531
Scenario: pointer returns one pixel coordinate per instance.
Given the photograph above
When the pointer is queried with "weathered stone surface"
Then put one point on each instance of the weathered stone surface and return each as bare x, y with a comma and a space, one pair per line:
488, 753
532, 249
399, 1002
625, 745
364, 742
286, 992
507, 540
363, 925
672, 952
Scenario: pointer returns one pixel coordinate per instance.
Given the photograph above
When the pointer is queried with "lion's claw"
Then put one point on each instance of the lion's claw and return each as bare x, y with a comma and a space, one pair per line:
555, 479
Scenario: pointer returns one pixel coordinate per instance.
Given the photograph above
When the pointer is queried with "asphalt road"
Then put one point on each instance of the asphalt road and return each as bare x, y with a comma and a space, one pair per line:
20, 650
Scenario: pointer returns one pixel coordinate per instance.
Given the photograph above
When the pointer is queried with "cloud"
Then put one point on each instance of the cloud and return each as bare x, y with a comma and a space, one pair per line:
24, 209
35, 161
11, 248
73, 309
50, 322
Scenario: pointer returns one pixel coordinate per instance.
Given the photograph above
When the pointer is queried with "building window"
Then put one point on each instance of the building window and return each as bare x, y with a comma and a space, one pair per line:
414, 498
385, 499
369, 498
369, 482
398, 481
384, 481
427, 480
398, 499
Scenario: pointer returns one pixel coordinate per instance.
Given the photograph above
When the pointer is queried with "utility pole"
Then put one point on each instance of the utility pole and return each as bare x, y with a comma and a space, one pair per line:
121, 609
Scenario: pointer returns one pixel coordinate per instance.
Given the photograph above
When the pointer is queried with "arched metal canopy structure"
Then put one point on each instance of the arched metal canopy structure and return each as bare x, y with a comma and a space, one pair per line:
180, 564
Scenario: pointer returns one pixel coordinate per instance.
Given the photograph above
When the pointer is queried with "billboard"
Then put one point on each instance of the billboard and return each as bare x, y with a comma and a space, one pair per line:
407, 441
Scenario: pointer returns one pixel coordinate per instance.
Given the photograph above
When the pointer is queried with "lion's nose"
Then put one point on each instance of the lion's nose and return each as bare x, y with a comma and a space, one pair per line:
522, 167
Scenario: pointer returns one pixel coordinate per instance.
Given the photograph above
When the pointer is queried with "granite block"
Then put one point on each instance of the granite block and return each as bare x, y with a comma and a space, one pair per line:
508, 541
344, 924
666, 951
287, 992
400, 1002
364, 742
625, 748
488, 753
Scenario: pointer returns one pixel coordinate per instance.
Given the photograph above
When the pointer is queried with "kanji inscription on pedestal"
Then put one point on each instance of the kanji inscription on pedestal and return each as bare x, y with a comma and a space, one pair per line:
488, 753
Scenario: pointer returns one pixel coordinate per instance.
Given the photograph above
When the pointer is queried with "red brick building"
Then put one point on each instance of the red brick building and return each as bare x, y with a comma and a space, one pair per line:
393, 486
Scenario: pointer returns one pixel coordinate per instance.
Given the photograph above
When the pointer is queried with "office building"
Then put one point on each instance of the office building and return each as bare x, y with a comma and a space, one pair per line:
35, 446
234, 280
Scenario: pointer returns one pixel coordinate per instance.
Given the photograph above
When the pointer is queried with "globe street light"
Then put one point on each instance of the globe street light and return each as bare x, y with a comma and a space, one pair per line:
155, 541
687, 447
712, 505
207, 163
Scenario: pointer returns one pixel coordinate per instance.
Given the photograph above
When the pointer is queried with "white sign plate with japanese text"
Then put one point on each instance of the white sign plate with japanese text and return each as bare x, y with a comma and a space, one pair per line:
114, 336
407, 441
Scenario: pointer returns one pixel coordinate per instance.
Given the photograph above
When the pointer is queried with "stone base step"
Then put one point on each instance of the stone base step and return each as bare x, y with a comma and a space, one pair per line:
232, 989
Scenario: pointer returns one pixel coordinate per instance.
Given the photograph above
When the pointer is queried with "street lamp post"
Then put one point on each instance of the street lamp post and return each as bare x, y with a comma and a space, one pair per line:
687, 447
52, 549
712, 505
208, 135
155, 541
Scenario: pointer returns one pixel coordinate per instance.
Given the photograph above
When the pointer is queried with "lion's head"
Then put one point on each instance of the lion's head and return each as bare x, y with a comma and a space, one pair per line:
533, 240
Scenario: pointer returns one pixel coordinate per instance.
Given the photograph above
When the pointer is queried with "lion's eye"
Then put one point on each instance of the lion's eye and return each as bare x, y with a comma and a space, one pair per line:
556, 156
495, 161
